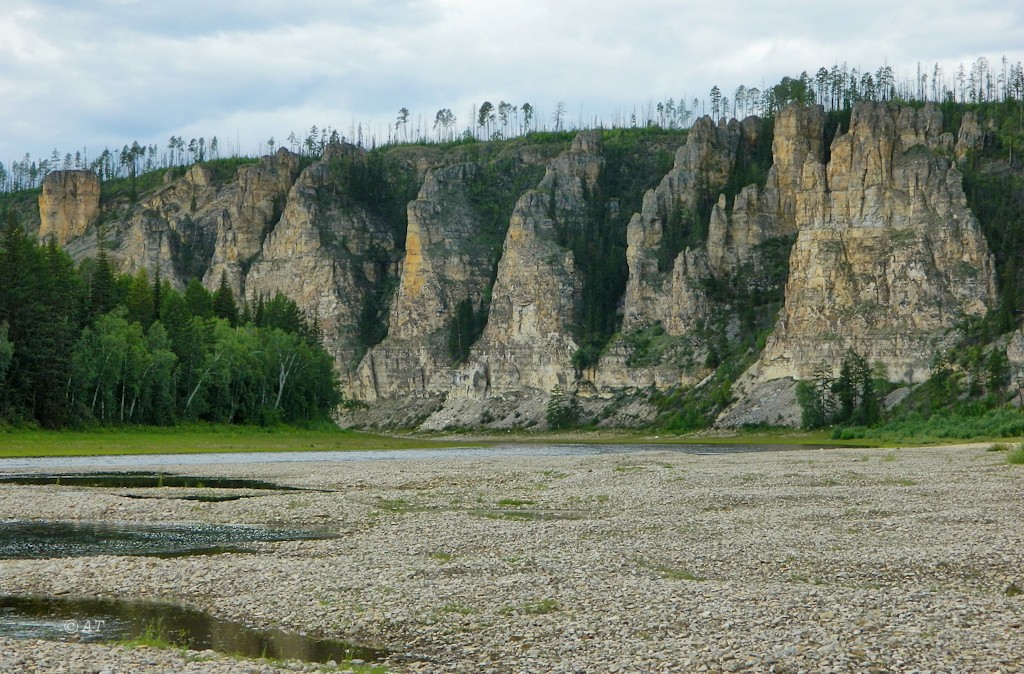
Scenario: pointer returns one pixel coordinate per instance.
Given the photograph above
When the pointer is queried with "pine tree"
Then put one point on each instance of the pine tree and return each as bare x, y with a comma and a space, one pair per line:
198, 299
461, 331
224, 301
39, 303
139, 300
259, 313
102, 296
61, 297
158, 294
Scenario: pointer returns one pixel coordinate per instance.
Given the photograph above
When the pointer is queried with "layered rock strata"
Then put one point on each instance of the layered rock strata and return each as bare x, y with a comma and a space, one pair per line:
527, 346
888, 256
327, 254
200, 225
448, 259
667, 294
252, 210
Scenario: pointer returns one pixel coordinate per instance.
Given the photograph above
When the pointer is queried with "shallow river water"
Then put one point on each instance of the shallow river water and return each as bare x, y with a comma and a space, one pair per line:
130, 461
105, 620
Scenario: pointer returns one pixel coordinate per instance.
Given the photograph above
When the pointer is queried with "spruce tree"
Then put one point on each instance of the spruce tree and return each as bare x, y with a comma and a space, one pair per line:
198, 299
102, 296
462, 331
139, 300
224, 301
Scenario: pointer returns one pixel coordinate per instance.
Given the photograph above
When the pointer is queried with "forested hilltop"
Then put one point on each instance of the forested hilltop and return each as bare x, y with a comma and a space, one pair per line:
847, 255
836, 87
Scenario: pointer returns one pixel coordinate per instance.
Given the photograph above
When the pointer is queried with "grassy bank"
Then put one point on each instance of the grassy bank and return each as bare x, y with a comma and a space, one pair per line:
200, 439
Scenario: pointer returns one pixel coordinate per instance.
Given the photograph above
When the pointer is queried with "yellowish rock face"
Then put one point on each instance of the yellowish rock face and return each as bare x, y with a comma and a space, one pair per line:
68, 203
888, 256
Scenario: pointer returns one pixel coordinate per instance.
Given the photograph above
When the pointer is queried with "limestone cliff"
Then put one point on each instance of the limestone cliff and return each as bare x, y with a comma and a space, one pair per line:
797, 150
449, 258
661, 286
527, 347
68, 203
527, 342
328, 253
268, 228
192, 224
253, 207
382, 252
672, 262
887, 257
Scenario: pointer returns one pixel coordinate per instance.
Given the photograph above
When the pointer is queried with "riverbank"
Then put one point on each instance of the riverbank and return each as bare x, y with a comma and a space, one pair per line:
200, 439
208, 438
813, 560
212, 438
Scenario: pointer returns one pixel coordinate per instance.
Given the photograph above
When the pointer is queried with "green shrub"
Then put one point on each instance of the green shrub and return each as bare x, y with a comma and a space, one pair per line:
969, 422
562, 410
1016, 456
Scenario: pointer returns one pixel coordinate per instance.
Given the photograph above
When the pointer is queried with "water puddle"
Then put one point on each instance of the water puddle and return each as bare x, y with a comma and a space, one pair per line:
30, 539
199, 498
109, 620
138, 480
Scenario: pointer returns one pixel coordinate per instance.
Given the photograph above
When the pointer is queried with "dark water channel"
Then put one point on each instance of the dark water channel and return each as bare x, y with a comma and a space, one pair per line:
41, 539
106, 620
139, 480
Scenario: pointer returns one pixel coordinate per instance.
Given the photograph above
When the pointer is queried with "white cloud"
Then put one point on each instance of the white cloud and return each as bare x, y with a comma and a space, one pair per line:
114, 71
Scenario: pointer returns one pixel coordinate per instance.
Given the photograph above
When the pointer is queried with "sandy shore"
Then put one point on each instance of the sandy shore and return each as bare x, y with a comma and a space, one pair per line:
812, 560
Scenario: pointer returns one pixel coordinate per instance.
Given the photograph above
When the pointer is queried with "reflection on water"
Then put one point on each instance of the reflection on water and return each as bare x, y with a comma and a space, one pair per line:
59, 618
25, 539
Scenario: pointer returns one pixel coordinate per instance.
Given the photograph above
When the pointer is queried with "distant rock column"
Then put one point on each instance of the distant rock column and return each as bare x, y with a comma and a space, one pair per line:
68, 203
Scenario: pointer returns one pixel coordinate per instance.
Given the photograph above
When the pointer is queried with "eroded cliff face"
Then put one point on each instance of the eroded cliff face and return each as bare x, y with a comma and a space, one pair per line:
662, 287
449, 258
251, 211
327, 254
888, 257
527, 347
667, 291
527, 342
68, 203
270, 229
196, 225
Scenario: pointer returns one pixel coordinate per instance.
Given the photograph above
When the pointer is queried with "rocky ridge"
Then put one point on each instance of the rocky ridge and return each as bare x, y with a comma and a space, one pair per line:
445, 262
327, 254
527, 346
887, 257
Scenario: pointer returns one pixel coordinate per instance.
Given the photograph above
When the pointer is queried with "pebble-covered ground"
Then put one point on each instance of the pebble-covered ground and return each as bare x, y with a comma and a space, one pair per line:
840, 560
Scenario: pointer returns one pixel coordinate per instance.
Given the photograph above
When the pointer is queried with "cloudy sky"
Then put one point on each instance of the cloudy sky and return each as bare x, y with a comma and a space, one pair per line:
80, 74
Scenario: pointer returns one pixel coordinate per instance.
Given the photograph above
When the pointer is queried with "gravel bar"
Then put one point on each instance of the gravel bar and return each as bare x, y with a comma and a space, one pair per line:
830, 560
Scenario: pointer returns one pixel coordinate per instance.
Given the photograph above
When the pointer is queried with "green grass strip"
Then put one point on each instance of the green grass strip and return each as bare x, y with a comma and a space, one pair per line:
201, 439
